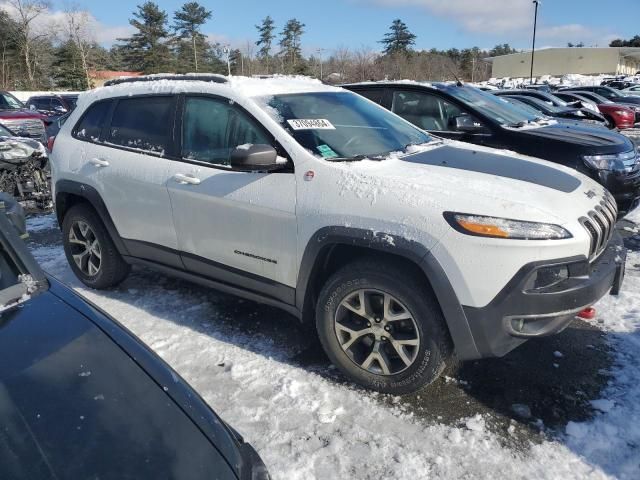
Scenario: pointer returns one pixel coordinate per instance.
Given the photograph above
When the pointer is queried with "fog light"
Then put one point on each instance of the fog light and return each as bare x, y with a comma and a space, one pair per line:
517, 324
547, 277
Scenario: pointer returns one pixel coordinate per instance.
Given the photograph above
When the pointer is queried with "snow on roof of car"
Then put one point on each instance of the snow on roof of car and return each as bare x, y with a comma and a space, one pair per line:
242, 86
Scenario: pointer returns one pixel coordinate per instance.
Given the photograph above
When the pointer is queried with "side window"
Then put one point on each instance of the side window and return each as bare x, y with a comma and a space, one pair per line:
91, 123
374, 94
426, 111
143, 123
56, 103
213, 128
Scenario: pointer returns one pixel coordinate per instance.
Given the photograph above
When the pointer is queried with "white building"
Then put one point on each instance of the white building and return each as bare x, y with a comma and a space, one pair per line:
563, 61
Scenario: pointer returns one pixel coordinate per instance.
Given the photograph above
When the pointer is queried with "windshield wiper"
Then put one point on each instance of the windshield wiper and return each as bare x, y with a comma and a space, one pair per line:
518, 124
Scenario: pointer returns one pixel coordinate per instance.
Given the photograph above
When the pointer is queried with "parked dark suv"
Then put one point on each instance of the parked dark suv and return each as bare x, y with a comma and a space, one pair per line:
53, 105
468, 114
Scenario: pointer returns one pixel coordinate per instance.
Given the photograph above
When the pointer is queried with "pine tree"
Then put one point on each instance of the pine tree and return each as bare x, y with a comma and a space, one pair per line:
265, 41
399, 39
290, 42
147, 50
67, 68
187, 24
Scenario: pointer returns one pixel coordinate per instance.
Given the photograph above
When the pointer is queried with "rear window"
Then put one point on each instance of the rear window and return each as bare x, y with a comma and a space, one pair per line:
91, 123
143, 123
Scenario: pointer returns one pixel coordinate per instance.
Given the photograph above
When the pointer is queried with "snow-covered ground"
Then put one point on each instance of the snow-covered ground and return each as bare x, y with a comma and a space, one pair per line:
307, 426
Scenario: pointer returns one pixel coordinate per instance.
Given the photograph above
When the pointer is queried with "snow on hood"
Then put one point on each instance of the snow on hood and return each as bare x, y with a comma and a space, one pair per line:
13, 148
422, 185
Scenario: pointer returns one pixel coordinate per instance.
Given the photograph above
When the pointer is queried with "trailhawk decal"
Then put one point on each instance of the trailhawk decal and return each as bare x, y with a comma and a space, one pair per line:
256, 257
311, 124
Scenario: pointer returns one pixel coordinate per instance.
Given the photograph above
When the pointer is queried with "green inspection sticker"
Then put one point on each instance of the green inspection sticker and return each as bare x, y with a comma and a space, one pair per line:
326, 151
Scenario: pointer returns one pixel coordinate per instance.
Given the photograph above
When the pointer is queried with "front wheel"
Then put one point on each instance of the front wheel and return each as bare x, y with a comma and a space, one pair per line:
382, 327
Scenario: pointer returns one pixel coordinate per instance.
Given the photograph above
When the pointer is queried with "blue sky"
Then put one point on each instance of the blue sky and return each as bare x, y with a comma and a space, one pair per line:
437, 23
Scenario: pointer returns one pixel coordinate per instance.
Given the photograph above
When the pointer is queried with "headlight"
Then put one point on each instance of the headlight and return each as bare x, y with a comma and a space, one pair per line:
494, 227
619, 161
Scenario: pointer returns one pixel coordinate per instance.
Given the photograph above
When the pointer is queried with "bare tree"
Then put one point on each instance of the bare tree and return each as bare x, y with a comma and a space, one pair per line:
78, 28
364, 59
26, 12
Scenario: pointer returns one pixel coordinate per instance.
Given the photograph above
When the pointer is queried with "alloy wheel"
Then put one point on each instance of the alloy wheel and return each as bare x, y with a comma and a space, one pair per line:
85, 248
377, 332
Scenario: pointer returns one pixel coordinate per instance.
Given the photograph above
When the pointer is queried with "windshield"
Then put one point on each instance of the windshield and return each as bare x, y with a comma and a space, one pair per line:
9, 102
527, 108
342, 125
494, 107
544, 106
4, 132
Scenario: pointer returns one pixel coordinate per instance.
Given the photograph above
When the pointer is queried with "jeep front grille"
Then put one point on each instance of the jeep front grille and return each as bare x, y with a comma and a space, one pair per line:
29, 128
600, 224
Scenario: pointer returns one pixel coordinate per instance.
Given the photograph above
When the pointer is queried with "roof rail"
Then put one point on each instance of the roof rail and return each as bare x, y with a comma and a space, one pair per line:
214, 78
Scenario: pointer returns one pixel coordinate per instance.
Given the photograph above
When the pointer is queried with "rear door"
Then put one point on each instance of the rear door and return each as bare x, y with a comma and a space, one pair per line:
128, 165
236, 226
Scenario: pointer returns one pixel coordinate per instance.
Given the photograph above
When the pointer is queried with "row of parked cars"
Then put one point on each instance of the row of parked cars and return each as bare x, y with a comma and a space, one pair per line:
350, 208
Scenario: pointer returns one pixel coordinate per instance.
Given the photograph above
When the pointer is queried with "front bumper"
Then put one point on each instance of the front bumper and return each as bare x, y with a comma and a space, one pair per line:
517, 314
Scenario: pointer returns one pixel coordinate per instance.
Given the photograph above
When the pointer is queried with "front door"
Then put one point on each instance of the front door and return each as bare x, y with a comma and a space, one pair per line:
238, 227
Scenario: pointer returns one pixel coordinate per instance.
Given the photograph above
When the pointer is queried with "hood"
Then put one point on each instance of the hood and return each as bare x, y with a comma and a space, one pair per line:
596, 140
475, 180
18, 114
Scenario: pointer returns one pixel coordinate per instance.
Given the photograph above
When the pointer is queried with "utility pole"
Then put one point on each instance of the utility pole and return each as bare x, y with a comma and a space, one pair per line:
227, 51
533, 50
319, 51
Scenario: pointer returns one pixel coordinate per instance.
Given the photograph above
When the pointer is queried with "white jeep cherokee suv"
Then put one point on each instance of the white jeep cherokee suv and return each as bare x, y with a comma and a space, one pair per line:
403, 249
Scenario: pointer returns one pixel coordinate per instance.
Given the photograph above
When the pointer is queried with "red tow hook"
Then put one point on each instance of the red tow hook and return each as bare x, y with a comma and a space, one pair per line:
588, 313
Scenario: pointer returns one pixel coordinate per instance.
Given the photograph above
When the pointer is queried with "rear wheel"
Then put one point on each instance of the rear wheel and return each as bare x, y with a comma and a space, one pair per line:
382, 327
90, 250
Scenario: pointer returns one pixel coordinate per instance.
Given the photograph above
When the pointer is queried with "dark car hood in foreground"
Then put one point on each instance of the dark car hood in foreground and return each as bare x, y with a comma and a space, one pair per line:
85, 406
595, 140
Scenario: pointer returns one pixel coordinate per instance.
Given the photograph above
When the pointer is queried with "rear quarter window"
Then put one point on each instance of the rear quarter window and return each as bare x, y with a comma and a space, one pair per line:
91, 123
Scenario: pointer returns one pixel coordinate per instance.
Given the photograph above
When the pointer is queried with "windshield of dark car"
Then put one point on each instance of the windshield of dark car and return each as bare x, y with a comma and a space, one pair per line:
341, 125
9, 102
527, 108
492, 106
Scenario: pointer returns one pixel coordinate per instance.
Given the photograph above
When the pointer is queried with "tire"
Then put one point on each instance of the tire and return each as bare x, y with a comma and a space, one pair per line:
102, 267
375, 282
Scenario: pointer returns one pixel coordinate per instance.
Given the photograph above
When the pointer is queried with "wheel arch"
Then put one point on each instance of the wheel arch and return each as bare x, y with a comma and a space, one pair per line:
70, 193
330, 246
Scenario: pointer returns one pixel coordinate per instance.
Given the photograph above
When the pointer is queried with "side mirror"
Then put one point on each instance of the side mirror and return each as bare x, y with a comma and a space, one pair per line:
32, 107
60, 109
255, 158
466, 124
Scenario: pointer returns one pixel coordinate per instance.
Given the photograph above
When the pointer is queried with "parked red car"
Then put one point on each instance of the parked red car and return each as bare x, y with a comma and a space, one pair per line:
619, 116
19, 120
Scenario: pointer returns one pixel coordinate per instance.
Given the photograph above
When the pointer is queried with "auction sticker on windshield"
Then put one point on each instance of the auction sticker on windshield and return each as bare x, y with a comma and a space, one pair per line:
311, 124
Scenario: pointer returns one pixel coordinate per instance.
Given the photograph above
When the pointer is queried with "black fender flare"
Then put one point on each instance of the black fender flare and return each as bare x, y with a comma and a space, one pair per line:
93, 198
415, 252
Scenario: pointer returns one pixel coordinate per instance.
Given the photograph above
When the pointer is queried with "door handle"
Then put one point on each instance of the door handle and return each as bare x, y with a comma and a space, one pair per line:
183, 179
98, 162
